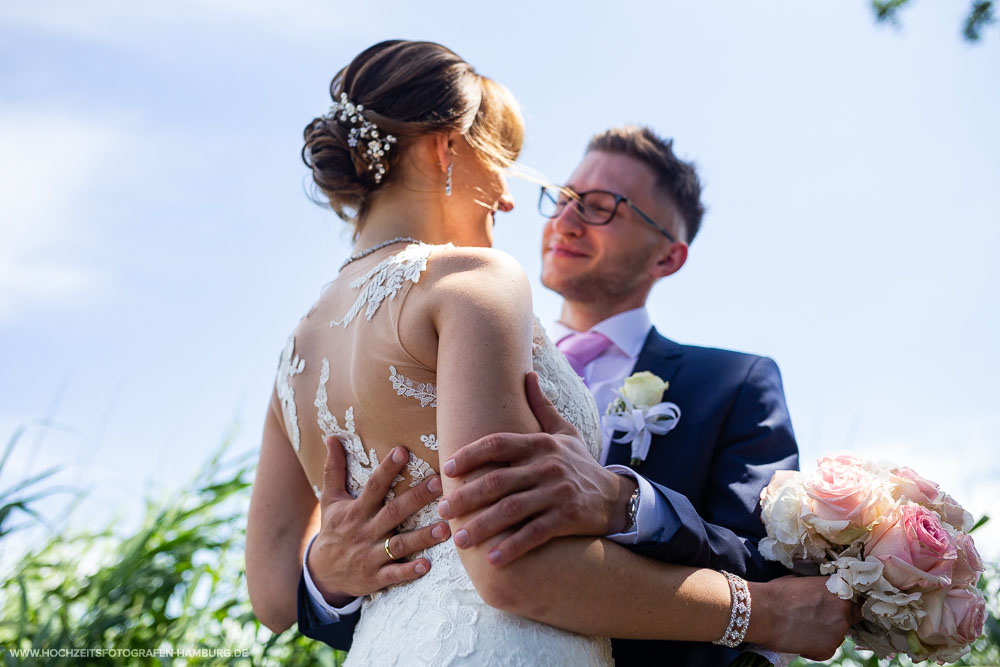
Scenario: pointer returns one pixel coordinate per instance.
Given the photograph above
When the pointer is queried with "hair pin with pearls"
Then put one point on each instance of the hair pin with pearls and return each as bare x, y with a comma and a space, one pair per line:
363, 129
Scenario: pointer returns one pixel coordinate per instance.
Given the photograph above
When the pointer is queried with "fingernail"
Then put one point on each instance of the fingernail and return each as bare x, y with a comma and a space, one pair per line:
444, 509
448, 467
494, 557
437, 532
397, 455
420, 568
434, 486
461, 538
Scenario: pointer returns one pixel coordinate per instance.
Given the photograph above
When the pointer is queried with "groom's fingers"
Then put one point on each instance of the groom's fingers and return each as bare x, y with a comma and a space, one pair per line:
509, 512
334, 474
493, 487
533, 534
398, 573
404, 545
381, 481
546, 414
405, 504
493, 448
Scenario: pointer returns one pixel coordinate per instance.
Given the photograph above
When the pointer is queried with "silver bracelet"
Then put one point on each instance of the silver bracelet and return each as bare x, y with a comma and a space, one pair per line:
739, 612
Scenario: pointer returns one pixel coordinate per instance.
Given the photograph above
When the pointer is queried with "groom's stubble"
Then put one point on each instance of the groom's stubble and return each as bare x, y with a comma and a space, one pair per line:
610, 282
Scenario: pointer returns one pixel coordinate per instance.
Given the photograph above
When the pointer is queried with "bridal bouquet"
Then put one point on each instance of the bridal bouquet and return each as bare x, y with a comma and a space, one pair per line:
889, 539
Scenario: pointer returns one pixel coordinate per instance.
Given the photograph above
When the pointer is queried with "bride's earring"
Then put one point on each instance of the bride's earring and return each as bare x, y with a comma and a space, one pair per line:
447, 183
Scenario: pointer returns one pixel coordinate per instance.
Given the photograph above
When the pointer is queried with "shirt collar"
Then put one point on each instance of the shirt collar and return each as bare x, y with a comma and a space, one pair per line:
627, 330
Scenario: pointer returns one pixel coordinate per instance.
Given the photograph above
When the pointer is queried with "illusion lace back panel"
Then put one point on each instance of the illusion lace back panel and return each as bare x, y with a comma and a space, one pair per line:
344, 372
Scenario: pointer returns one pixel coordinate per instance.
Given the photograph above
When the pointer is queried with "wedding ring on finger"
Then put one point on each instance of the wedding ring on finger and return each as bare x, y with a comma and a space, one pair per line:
387, 552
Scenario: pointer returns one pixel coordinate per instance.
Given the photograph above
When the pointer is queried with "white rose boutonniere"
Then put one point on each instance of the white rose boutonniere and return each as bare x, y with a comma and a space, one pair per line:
640, 413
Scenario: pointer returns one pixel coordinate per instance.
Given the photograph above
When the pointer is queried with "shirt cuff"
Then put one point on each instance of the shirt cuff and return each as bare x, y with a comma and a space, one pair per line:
648, 519
317, 602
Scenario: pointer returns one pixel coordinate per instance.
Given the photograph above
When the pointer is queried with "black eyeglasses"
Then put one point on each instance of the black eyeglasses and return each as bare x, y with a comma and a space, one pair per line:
594, 207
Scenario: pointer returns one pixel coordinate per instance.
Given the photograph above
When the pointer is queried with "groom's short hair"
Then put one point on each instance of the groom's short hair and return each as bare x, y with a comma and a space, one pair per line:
674, 177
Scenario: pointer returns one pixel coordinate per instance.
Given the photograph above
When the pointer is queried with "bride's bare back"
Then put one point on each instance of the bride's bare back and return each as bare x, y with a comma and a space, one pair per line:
345, 371
362, 366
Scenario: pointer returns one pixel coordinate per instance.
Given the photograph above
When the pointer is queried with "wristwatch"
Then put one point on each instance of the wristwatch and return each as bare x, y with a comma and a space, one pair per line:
631, 510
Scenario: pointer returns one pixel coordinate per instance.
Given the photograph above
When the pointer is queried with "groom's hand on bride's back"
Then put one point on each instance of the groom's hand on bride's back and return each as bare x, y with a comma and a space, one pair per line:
348, 558
551, 486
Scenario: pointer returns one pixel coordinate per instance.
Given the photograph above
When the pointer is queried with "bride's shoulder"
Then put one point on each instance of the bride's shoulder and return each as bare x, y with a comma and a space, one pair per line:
450, 259
476, 276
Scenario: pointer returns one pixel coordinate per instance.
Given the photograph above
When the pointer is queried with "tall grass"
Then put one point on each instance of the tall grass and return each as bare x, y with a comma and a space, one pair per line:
176, 584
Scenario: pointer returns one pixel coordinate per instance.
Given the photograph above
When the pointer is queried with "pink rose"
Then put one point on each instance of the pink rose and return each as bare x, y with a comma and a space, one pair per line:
969, 564
777, 481
955, 617
908, 485
843, 457
914, 547
953, 513
845, 500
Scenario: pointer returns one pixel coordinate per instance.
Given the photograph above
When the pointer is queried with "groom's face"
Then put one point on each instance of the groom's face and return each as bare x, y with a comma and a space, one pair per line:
615, 262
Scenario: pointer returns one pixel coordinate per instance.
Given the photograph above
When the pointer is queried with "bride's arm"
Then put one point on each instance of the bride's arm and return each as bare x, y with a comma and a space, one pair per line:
283, 516
481, 310
482, 313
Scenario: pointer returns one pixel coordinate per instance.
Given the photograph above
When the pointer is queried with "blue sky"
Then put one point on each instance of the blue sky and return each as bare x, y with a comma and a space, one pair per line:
157, 244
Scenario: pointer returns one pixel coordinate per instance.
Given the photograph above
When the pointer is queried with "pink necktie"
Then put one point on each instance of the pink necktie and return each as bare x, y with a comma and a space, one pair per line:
582, 348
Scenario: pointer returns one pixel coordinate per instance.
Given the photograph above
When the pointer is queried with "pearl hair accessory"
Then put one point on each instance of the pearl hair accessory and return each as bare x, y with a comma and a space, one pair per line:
347, 112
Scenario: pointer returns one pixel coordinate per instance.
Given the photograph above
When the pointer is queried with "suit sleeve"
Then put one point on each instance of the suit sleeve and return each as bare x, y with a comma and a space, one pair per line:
338, 634
755, 441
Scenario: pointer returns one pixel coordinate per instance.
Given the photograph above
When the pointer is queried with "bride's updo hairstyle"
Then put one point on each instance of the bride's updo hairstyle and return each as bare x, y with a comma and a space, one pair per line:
408, 90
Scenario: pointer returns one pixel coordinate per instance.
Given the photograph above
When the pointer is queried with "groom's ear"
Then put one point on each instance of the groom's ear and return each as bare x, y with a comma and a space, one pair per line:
671, 259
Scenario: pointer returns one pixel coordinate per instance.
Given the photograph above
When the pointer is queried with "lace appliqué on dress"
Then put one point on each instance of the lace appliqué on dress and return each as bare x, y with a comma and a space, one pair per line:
564, 388
385, 279
360, 463
425, 392
430, 441
419, 469
289, 365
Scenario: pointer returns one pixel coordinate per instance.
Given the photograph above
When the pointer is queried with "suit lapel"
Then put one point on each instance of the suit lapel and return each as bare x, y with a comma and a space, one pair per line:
661, 357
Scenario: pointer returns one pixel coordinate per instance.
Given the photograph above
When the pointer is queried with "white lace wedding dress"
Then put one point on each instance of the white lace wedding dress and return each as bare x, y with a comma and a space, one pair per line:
388, 397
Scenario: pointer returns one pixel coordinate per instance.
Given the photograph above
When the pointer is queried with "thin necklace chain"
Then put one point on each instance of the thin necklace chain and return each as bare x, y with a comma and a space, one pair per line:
378, 246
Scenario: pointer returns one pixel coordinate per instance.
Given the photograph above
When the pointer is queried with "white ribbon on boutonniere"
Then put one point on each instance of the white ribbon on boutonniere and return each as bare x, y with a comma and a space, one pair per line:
640, 413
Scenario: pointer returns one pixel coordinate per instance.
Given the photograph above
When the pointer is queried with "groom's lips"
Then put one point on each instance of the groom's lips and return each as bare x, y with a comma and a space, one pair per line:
561, 250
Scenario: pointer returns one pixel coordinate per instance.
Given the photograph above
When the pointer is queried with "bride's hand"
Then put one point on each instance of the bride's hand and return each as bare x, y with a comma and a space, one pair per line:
552, 485
799, 615
348, 558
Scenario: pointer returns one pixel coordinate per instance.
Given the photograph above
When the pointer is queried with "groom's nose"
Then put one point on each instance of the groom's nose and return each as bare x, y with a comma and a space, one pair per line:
567, 223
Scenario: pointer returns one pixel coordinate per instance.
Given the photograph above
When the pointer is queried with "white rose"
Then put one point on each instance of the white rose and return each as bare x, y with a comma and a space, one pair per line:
788, 538
644, 390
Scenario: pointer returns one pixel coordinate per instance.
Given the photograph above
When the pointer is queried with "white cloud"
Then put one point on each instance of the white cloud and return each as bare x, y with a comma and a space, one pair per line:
48, 164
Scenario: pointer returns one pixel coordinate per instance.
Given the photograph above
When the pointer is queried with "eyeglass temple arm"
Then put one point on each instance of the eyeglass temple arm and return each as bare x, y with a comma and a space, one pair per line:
650, 221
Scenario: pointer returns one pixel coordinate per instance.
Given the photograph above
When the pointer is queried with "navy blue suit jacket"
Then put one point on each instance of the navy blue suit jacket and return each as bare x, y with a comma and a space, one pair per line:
734, 433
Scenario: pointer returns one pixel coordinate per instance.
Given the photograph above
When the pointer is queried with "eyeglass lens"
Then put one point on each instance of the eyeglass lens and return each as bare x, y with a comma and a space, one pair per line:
595, 208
